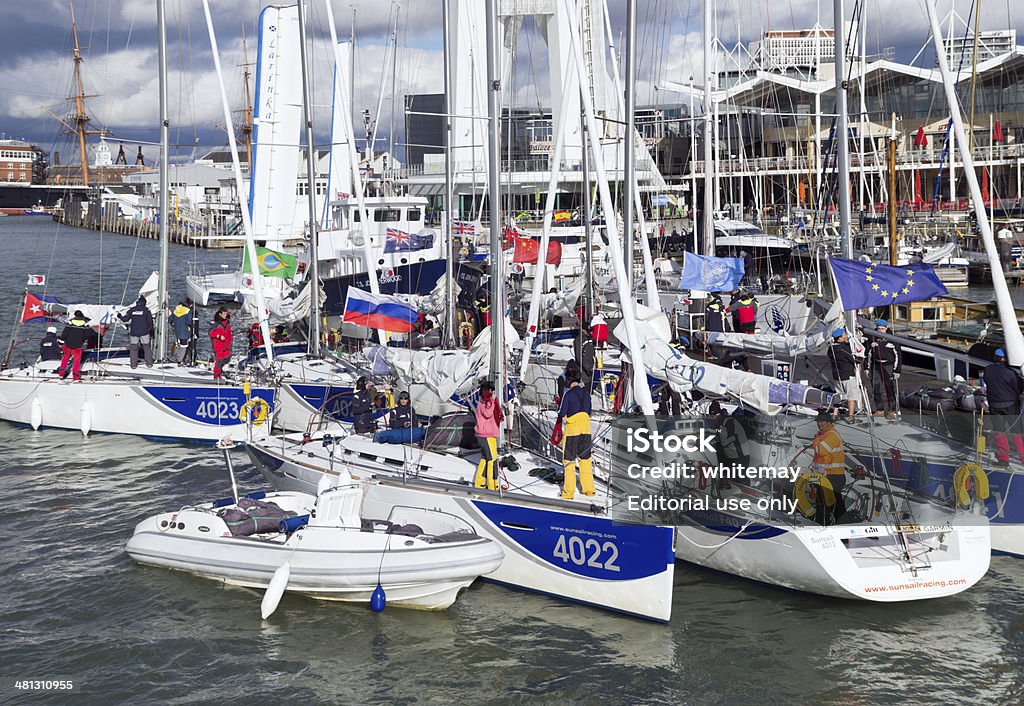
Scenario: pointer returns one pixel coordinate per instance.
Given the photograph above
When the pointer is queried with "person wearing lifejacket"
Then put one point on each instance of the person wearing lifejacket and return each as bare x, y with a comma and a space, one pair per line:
845, 370
829, 459
403, 416
884, 362
744, 312
49, 347
575, 438
714, 314
1003, 388
75, 336
487, 430
363, 405
140, 332
180, 319
221, 339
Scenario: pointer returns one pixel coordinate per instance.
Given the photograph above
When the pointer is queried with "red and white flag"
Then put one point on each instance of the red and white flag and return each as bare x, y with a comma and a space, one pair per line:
36, 280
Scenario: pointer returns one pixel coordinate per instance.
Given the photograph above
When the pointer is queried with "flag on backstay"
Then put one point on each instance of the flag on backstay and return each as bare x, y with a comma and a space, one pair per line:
528, 250
863, 284
272, 263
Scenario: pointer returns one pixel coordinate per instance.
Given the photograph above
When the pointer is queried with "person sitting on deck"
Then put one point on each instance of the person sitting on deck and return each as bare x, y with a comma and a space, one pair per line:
49, 347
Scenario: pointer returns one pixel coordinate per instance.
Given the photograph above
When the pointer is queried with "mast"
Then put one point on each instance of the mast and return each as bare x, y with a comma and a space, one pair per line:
247, 123
353, 160
250, 242
629, 146
709, 163
1012, 335
493, 190
314, 262
165, 139
641, 392
842, 138
891, 206
451, 325
79, 119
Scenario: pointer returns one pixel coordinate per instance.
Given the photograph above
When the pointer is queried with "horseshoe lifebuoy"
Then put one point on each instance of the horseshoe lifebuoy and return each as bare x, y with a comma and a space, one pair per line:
255, 410
962, 480
802, 497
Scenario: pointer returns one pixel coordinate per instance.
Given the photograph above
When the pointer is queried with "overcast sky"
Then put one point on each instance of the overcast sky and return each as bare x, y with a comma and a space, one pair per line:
119, 42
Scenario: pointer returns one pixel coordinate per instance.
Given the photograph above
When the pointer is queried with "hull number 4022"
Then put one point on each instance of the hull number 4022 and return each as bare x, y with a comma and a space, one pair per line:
587, 552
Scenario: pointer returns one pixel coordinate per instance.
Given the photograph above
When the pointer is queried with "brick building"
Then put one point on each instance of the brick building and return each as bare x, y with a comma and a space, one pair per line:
17, 160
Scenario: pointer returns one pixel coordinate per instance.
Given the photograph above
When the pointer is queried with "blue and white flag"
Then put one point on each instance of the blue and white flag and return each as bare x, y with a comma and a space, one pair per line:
711, 274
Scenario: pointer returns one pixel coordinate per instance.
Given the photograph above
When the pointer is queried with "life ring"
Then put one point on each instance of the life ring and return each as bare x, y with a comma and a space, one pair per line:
247, 281
255, 411
803, 500
962, 478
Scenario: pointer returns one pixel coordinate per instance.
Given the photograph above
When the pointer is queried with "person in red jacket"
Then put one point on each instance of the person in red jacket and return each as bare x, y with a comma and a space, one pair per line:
221, 339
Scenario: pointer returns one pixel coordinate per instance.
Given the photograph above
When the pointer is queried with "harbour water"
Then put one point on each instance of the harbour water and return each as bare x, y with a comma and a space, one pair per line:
73, 606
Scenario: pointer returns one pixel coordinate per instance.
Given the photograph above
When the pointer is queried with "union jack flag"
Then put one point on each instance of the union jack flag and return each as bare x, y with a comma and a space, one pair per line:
463, 228
400, 241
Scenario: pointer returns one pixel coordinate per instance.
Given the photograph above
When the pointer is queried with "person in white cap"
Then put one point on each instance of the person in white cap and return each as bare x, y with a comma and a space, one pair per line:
49, 347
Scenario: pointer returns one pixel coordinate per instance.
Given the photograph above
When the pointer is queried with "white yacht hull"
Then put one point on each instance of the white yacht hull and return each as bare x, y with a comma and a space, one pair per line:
569, 550
816, 559
155, 410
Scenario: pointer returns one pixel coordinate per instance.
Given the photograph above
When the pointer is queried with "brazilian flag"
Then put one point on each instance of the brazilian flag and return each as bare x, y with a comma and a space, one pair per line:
272, 263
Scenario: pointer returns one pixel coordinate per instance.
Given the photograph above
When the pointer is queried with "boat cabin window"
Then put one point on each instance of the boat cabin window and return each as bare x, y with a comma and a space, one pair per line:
414, 214
387, 215
357, 215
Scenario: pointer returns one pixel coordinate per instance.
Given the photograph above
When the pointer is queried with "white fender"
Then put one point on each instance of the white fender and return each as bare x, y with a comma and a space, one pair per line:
86, 419
36, 414
275, 590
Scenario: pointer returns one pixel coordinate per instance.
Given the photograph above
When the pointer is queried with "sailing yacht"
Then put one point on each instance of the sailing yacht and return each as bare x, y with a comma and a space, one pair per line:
571, 549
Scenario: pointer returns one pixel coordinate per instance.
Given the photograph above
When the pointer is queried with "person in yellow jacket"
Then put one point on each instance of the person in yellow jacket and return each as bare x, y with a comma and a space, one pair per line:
829, 458
576, 443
